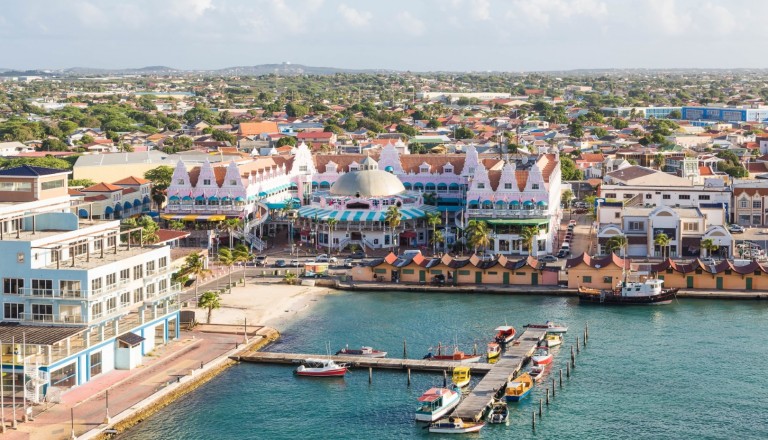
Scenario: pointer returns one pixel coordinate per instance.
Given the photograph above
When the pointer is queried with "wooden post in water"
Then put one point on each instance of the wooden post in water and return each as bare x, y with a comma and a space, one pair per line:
567, 369
445, 378
553, 387
533, 420
405, 352
561, 378
586, 330
409, 376
577, 345
370, 374
547, 395
585, 337
573, 358
541, 406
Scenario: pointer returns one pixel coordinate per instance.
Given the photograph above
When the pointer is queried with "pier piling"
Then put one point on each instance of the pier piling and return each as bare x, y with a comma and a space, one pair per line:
409, 377
553, 387
541, 407
586, 330
405, 349
561, 378
445, 378
370, 374
567, 370
585, 338
547, 395
573, 358
577, 345
533, 420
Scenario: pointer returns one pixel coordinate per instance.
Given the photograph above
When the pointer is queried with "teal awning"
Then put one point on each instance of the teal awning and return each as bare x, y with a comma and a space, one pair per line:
518, 221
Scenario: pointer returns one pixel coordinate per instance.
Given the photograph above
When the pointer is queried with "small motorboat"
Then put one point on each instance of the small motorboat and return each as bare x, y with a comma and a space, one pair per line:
457, 356
363, 352
435, 403
455, 425
553, 339
505, 334
537, 371
321, 368
494, 350
519, 388
499, 412
542, 356
461, 376
550, 326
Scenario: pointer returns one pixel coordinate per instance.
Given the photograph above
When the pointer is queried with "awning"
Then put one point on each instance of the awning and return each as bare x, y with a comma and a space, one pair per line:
217, 218
131, 339
408, 234
359, 215
518, 221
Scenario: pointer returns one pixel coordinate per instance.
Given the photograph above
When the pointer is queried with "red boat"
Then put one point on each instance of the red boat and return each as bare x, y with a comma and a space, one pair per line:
505, 334
321, 368
542, 356
458, 356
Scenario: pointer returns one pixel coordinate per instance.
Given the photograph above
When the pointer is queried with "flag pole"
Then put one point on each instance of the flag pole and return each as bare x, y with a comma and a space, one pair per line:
2, 392
13, 378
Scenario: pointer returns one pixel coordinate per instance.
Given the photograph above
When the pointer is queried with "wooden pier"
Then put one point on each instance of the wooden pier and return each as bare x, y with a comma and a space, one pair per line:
363, 362
511, 361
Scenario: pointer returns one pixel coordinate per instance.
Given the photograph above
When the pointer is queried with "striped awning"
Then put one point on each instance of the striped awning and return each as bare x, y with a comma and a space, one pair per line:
356, 215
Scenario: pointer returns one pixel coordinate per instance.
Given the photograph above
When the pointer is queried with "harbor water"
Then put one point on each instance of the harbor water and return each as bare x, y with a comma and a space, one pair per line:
692, 369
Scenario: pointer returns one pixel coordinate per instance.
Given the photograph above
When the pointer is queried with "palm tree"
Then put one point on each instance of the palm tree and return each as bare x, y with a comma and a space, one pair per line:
567, 197
430, 199
331, 222
662, 240
157, 194
194, 264
478, 234
433, 219
617, 242
392, 219
528, 236
437, 238
230, 225
709, 245
209, 300
176, 225
230, 257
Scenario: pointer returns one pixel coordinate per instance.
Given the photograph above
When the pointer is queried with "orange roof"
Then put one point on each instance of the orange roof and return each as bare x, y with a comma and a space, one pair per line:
102, 187
255, 128
131, 180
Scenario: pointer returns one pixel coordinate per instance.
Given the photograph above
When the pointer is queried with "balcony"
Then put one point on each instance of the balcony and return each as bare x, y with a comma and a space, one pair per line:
28, 292
207, 209
508, 213
42, 318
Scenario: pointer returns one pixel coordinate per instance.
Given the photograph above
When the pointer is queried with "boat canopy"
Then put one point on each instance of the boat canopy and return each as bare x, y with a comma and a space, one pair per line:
431, 395
504, 328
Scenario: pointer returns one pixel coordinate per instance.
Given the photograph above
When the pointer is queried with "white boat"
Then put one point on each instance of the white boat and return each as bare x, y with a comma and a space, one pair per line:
542, 356
499, 412
321, 368
455, 425
505, 334
436, 403
537, 371
553, 340
550, 326
363, 352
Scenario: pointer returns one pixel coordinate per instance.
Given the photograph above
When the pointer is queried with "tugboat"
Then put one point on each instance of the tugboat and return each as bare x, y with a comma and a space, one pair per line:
648, 292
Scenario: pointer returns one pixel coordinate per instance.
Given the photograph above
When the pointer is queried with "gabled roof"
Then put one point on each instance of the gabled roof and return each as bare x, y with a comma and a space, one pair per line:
102, 187
597, 263
31, 171
131, 180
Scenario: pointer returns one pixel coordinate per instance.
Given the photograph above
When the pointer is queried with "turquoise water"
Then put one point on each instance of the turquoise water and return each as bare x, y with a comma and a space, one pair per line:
694, 369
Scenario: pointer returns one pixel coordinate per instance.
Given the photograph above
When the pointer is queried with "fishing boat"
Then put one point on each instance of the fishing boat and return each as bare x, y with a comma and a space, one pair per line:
363, 352
435, 403
455, 425
461, 376
550, 326
537, 371
541, 356
553, 339
321, 368
499, 412
519, 388
649, 292
494, 350
505, 334
457, 356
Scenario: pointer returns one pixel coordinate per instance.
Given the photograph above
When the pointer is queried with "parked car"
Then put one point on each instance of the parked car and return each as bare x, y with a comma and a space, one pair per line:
260, 260
348, 263
294, 263
280, 263
736, 229
357, 255
708, 261
563, 253
486, 256
324, 258
548, 259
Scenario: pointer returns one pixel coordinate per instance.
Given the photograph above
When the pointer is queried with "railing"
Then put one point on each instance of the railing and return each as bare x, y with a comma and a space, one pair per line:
502, 213
28, 292
213, 209
51, 319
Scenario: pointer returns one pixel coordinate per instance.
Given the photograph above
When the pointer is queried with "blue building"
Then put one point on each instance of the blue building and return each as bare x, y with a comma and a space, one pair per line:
725, 114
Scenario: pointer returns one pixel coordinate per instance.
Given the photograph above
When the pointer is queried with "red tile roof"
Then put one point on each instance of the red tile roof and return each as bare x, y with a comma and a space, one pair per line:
131, 180
102, 187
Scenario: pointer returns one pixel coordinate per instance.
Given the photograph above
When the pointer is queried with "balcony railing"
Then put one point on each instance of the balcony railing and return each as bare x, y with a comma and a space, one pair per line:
508, 213
28, 292
51, 319
211, 209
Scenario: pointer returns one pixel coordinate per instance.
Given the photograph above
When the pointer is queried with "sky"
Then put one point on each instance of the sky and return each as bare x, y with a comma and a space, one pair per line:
415, 35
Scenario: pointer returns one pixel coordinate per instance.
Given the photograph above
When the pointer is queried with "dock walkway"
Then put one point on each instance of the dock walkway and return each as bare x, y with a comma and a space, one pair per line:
510, 362
363, 362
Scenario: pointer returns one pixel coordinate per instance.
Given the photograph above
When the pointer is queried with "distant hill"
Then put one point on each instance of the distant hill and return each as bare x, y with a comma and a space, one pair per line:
290, 69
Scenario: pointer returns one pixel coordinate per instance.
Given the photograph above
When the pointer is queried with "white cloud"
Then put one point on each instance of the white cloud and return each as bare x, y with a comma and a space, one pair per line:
190, 9
353, 17
480, 10
542, 12
666, 16
410, 24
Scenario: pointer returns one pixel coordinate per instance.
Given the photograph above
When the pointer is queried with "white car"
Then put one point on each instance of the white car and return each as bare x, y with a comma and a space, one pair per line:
324, 258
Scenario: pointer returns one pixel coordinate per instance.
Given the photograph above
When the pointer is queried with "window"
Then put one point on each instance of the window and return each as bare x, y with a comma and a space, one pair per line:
138, 272
111, 279
302, 169
52, 184
206, 181
757, 204
98, 244
587, 279
69, 288
150, 267
703, 197
690, 226
610, 195
162, 263
408, 271
150, 291
65, 376
42, 287
42, 312
684, 197
162, 286
125, 275
13, 285
95, 363
648, 196
180, 181
96, 311
125, 299
79, 247
743, 204
233, 182
636, 226
16, 186
138, 295
471, 170
616, 215
607, 279
112, 304
96, 285
507, 186
480, 185
112, 241
535, 186
13, 310
628, 195
666, 196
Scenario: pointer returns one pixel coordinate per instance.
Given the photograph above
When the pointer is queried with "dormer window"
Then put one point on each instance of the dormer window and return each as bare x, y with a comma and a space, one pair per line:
507, 186
480, 185
471, 170
534, 186
206, 181
302, 168
180, 182
353, 168
233, 182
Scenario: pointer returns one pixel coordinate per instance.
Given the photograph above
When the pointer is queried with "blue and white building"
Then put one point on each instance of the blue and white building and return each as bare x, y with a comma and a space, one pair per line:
725, 114
79, 297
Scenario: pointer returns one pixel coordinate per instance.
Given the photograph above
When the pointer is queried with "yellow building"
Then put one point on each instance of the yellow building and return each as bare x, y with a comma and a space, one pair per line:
604, 273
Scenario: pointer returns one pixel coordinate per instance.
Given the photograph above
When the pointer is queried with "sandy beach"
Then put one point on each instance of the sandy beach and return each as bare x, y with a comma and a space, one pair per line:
261, 302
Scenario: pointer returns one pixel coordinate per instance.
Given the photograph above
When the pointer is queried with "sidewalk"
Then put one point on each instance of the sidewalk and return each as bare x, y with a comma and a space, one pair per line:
125, 388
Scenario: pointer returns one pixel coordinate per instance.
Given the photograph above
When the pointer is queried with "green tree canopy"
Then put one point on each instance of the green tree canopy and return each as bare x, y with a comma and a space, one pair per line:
568, 169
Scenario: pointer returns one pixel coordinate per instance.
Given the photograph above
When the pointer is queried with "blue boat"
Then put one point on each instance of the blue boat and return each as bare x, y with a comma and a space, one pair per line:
519, 388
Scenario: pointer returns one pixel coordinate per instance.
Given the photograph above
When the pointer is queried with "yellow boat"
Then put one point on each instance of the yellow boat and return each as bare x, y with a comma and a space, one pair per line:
519, 388
461, 376
494, 350
554, 339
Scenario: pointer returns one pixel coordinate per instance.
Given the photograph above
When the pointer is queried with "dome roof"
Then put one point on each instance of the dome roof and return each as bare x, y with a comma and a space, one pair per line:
368, 183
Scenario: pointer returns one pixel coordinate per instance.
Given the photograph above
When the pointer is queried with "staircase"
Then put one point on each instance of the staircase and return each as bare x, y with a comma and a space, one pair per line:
34, 380
637, 200
249, 236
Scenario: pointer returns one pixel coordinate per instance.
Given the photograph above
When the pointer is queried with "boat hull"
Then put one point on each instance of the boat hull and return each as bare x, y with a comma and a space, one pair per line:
375, 354
592, 296
461, 360
518, 397
339, 372
451, 429
542, 360
431, 416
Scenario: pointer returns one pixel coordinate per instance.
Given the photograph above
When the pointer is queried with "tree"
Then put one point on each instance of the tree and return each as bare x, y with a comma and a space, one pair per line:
662, 241
617, 243
195, 265
67, 127
600, 132
210, 300
660, 160
417, 148
85, 183
148, 233
437, 239
463, 133
568, 170
230, 257
709, 245
433, 123
53, 144
286, 140
675, 114
161, 180
529, 235
567, 196
296, 110
576, 130
392, 219
619, 124
478, 234
331, 222
176, 225
223, 136
229, 226
433, 219
406, 129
